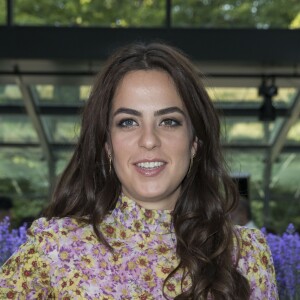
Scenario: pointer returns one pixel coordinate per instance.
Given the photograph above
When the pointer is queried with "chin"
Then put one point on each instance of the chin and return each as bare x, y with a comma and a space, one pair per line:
149, 196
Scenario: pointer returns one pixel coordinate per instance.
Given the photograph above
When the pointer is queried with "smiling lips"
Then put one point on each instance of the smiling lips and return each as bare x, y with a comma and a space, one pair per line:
150, 168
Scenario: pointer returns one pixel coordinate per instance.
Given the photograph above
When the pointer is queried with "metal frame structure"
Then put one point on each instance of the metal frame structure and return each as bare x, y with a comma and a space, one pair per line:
72, 55
51, 55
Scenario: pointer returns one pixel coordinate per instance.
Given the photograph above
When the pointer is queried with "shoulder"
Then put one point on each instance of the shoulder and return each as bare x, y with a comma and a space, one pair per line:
253, 247
53, 226
58, 231
52, 238
250, 239
255, 263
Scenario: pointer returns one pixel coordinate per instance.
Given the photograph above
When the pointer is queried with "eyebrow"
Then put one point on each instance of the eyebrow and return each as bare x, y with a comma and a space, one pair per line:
169, 110
164, 111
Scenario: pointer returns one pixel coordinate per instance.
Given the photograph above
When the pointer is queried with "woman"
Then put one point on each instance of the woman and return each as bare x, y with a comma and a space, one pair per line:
142, 210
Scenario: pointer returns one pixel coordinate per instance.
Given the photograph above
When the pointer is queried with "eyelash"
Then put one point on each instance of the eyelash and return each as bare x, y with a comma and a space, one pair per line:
122, 123
174, 123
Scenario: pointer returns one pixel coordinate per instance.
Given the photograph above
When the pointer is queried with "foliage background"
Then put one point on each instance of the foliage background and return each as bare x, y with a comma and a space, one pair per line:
141, 13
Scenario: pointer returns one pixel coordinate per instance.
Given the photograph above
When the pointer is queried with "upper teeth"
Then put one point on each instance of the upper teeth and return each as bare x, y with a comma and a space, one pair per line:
149, 165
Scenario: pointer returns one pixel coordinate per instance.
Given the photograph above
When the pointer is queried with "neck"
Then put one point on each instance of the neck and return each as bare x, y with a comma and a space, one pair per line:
155, 203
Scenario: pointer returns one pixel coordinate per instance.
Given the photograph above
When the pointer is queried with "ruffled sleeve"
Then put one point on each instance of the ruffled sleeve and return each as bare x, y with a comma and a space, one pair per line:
256, 264
26, 274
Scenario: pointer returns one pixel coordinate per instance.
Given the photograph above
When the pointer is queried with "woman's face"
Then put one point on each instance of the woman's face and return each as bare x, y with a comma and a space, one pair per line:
151, 138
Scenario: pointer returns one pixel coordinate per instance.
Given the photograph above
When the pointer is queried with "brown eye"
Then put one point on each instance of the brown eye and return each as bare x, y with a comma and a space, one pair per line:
170, 123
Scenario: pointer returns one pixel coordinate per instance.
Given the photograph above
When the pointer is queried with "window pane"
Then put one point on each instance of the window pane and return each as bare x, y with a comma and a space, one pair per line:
235, 95
285, 190
2, 12
9, 94
248, 162
24, 178
61, 94
247, 130
236, 14
17, 129
62, 158
109, 13
61, 129
293, 136
245, 96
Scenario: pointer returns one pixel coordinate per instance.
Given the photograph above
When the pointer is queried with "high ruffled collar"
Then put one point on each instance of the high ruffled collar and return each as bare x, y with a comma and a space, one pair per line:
139, 219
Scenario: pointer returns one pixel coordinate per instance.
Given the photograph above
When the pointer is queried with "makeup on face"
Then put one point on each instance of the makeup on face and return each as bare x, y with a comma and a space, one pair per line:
150, 138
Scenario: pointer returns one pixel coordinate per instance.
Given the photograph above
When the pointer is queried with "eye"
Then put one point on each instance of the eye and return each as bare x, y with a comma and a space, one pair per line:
127, 123
170, 123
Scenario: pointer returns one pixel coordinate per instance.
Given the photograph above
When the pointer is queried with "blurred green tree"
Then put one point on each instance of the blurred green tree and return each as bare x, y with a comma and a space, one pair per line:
152, 13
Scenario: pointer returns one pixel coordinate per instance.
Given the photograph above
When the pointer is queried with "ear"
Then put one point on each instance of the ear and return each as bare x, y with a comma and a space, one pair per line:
195, 146
108, 148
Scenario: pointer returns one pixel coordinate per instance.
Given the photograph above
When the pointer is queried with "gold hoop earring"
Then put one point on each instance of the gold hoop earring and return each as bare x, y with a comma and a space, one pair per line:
110, 162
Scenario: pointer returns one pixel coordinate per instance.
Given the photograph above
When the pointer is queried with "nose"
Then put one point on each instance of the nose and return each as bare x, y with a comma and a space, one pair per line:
149, 138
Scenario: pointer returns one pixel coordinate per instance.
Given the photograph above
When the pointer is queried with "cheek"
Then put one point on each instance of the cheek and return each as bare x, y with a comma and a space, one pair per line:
180, 145
119, 144
122, 140
122, 152
180, 154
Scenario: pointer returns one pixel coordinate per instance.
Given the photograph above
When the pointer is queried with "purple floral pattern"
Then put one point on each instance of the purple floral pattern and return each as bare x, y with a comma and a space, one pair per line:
62, 259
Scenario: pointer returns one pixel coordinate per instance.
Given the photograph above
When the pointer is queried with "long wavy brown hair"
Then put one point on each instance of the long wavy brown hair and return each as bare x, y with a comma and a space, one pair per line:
202, 213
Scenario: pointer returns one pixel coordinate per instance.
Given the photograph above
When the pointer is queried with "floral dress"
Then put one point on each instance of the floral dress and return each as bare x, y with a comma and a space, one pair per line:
62, 259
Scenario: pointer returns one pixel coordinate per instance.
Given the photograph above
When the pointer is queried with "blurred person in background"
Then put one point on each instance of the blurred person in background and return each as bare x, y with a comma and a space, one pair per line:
242, 215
